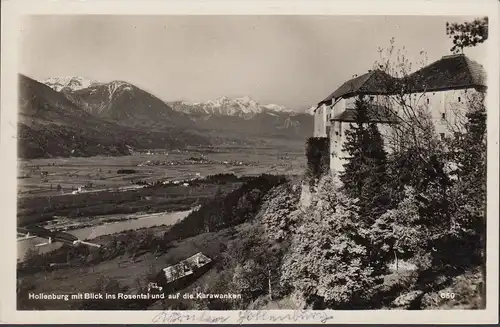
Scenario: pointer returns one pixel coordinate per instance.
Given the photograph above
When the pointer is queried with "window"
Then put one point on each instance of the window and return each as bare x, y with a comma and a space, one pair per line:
442, 136
459, 100
372, 98
443, 115
427, 100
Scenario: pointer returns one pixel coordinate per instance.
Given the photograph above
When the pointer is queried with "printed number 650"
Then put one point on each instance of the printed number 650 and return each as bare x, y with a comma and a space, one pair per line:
447, 295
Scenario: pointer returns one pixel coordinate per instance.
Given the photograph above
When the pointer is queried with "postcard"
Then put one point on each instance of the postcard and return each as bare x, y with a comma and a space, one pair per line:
250, 162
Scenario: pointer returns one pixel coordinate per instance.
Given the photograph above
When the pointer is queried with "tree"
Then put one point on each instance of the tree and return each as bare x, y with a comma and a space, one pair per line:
468, 194
398, 233
279, 212
327, 264
418, 155
467, 34
364, 175
414, 127
248, 277
356, 147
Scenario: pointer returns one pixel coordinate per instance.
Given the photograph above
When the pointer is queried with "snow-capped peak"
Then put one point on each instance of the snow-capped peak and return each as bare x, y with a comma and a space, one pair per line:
118, 85
228, 107
276, 107
71, 82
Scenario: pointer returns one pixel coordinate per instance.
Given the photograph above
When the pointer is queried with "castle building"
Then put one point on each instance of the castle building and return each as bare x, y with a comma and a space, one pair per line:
442, 88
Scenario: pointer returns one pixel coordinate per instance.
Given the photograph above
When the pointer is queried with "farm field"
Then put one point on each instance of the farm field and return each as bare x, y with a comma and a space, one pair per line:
42, 177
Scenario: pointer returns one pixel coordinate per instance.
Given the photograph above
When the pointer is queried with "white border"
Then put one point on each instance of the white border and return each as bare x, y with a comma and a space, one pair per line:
12, 11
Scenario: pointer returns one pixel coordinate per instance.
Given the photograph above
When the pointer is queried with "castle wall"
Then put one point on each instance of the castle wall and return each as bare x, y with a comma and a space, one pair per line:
321, 121
446, 109
338, 136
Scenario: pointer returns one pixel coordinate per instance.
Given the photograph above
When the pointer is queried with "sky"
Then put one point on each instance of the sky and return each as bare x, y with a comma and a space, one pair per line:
295, 61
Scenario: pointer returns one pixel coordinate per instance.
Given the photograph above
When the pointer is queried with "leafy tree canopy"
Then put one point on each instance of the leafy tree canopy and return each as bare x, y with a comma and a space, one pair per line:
467, 34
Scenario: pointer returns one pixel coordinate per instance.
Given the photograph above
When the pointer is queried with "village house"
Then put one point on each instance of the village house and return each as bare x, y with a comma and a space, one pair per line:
442, 87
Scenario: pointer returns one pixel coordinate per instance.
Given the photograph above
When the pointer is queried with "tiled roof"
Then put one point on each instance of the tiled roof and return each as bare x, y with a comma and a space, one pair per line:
449, 72
376, 113
373, 82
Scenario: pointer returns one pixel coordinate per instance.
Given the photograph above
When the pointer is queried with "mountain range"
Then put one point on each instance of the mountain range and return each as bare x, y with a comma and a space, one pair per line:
122, 102
245, 117
114, 117
244, 107
51, 125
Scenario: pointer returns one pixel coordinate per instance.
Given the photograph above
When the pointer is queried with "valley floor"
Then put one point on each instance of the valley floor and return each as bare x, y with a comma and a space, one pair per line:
41, 177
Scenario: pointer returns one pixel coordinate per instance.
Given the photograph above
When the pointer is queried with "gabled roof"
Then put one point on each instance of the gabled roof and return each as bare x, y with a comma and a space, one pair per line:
376, 113
374, 82
449, 72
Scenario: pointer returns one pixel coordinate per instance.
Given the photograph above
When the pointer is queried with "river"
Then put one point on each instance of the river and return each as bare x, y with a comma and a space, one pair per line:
168, 218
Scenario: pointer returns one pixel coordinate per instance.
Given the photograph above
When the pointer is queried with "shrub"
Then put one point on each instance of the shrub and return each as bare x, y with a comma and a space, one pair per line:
318, 157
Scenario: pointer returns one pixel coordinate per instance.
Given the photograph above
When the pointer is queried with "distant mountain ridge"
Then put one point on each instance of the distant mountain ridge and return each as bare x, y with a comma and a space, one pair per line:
245, 116
224, 106
222, 118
